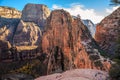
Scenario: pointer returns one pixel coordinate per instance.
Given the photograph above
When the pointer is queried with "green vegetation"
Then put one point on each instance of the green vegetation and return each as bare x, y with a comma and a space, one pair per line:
33, 67
98, 64
115, 69
115, 2
94, 57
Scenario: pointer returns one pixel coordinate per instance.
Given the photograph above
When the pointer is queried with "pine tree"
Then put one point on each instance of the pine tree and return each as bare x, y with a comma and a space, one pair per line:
115, 2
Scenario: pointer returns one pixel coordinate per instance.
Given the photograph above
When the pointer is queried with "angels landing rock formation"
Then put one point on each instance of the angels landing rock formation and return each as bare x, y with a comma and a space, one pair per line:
68, 44
37, 13
108, 31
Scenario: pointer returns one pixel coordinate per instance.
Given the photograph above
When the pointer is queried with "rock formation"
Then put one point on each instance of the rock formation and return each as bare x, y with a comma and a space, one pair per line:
77, 74
108, 31
8, 28
27, 34
91, 26
8, 12
4, 49
37, 13
68, 44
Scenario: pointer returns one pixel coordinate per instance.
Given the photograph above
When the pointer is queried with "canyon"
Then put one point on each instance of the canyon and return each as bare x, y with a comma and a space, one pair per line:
61, 42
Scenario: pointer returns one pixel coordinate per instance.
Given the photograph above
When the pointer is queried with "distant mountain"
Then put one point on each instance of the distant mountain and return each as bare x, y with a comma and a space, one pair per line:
90, 25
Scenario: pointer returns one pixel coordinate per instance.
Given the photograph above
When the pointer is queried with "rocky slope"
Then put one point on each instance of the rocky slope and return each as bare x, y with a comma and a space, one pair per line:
68, 44
37, 13
27, 34
8, 12
7, 28
91, 26
27, 30
77, 74
107, 32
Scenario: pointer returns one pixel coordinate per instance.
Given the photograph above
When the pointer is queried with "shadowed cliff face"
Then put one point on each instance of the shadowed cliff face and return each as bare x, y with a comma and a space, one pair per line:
69, 44
108, 31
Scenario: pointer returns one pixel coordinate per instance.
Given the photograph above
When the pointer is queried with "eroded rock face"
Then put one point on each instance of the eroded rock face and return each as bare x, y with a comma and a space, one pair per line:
90, 25
27, 34
8, 28
108, 31
69, 44
37, 13
4, 49
8, 12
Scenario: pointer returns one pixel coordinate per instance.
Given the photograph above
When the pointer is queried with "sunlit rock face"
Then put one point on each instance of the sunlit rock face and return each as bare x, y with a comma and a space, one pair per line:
68, 44
37, 13
108, 31
8, 12
27, 34
91, 26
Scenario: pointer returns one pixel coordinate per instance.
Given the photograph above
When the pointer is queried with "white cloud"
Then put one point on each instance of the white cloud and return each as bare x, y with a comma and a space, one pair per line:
76, 9
110, 10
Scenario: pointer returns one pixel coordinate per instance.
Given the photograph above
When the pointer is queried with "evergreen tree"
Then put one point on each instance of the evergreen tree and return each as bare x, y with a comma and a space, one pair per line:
115, 2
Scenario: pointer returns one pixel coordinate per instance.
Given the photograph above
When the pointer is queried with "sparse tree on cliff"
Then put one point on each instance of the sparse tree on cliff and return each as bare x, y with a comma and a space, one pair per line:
115, 2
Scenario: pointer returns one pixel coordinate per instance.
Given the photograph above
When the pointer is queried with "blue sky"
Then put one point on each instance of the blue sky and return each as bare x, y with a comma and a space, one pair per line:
19, 4
98, 8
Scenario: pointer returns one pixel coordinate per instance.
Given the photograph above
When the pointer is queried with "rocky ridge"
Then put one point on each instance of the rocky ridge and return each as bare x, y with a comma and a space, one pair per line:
91, 26
69, 45
107, 32
8, 12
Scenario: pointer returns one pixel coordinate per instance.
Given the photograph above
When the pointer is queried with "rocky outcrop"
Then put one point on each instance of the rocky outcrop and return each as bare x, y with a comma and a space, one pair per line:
8, 28
8, 12
77, 74
4, 49
37, 13
91, 26
27, 34
107, 32
68, 44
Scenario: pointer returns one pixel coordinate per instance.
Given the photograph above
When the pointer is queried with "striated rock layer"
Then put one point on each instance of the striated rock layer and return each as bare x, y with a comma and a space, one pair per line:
37, 13
27, 34
8, 12
68, 44
8, 28
91, 26
108, 31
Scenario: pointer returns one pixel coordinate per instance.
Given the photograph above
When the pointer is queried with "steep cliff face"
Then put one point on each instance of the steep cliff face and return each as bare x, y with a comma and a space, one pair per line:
4, 49
8, 28
91, 26
37, 13
68, 44
27, 34
19, 32
8, 12
108, 31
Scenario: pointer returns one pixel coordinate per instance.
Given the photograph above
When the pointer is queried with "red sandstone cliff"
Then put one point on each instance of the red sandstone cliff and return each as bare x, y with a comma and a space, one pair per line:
68, 44
108, 31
